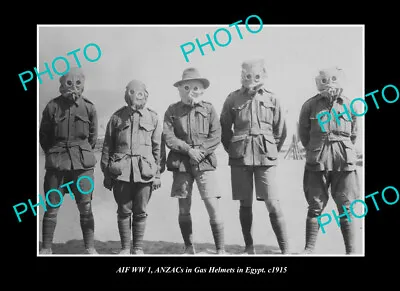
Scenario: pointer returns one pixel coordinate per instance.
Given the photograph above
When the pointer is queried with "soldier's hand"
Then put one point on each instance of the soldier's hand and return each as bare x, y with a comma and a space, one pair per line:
108, 183
156, 184
196, 155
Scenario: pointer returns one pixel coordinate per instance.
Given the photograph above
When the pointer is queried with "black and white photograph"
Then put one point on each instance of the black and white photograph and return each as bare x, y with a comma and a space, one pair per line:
201, 140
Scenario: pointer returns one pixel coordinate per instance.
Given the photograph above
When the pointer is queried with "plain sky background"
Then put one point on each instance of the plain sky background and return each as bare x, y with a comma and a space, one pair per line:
152, 54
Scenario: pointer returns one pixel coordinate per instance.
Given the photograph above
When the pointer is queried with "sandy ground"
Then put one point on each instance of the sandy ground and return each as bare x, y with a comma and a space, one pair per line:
163, 234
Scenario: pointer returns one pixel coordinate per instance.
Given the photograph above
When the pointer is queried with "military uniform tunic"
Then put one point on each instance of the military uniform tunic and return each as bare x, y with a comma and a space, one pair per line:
330, 154
68, 135
259, 131
132, 145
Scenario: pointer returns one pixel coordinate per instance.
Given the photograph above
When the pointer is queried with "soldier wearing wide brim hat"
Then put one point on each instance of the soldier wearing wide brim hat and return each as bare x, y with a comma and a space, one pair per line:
192, 139
192, 74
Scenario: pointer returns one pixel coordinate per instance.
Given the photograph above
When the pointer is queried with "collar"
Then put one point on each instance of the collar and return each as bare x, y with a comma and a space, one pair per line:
76, 102
244, 90
338, 99
132, 111
201, 104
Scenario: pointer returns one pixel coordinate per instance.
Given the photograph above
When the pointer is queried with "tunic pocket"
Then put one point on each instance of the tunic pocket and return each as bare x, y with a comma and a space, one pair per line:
350, 152
115, 164
53, 158
60, 129
238, 147
122, 133
270, 147
146, 131
82, 126
344, 124
313, 155
123, 126
148, 169
203, 124
242, 114
267, 110
180, 124
88, 158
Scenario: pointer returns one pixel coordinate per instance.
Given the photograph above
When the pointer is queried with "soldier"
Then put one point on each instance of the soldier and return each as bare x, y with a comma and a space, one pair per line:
253, 146
192, 132
68, 135
130, 163
330, 156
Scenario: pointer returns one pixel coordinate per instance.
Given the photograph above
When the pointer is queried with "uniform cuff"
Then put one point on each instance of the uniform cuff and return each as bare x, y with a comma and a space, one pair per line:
158, 174
187, 148
203, 149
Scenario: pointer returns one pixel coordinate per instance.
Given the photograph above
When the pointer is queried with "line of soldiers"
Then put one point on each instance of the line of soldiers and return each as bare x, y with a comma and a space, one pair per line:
251, 128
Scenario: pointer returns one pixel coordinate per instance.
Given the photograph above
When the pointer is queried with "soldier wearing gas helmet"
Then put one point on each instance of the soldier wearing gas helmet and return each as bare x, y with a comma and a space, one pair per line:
192, 133
258, 134
330, 156
68, 135
130, 163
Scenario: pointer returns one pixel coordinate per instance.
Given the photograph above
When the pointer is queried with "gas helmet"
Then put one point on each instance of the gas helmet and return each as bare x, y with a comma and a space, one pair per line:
72, 84
136, 94
329, 82
191, 92
253, 75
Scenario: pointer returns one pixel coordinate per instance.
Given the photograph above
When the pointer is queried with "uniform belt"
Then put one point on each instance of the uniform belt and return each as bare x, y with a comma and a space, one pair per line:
68, 144
127, 152
131, 155
342, 133
252, 131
